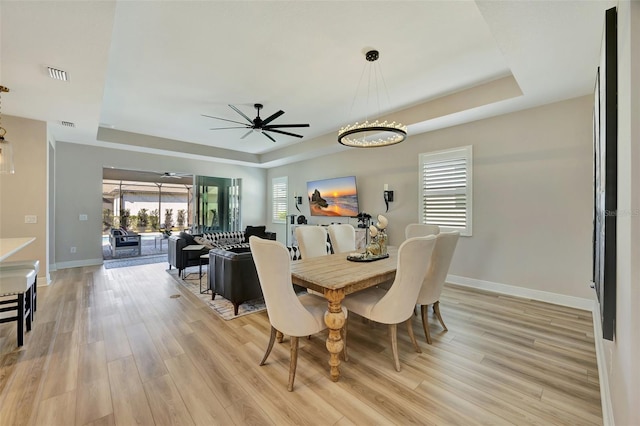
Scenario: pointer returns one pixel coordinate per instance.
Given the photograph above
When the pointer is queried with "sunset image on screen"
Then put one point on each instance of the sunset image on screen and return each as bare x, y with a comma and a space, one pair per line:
333, 197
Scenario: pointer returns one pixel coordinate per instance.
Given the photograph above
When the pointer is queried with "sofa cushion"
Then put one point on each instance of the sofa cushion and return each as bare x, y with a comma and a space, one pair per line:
204, 241
222, 239
258, 231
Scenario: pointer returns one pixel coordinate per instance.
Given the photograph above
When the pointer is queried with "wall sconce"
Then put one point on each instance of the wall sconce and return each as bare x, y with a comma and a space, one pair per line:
388, 196
297, 201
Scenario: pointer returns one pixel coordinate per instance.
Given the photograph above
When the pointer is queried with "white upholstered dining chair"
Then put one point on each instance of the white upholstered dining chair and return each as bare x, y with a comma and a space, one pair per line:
436, 275
288, 314
420, 230
312, 241
343, 238
396, 305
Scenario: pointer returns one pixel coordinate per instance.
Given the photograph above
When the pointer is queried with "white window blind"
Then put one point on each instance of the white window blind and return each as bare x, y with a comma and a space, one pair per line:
279, 199
446, 189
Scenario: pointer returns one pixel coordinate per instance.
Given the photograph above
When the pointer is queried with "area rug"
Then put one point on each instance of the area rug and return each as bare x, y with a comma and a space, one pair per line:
134, 261
220, 305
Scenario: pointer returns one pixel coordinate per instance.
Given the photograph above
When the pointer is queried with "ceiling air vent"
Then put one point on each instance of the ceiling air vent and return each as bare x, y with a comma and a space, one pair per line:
68, 124
57, 74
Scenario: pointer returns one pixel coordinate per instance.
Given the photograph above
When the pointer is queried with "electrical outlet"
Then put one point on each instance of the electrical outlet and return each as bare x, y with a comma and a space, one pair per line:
73, 249
83, 217
31, 218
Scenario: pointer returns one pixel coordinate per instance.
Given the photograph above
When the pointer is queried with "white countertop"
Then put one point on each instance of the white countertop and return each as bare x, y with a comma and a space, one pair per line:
9, 246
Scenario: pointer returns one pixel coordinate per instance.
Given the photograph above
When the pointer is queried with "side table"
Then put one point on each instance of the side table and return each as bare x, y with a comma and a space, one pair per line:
185, 252
203, 257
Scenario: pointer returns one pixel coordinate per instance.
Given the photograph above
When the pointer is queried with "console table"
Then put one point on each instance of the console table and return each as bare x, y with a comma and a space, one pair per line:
361, 236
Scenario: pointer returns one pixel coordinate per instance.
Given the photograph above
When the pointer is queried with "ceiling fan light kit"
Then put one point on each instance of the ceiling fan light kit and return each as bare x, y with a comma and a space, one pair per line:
372, 134
258, 124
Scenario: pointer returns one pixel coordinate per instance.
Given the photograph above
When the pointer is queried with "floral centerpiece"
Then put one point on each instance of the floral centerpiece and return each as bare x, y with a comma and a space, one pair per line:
378, 234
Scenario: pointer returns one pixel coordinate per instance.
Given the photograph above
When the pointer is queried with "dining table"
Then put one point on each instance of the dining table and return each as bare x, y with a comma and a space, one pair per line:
336, 277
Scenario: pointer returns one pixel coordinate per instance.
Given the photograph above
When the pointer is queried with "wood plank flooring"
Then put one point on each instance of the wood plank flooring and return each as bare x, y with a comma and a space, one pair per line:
112, 347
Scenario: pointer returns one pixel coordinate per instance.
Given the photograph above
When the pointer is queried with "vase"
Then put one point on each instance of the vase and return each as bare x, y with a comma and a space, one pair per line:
382, 242
373, 249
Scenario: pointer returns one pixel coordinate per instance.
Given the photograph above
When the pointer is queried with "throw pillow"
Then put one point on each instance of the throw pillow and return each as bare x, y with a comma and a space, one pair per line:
258, 231
203, 241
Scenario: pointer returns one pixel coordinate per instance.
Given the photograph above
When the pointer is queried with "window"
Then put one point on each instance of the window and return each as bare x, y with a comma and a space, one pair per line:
279, 199
446, 190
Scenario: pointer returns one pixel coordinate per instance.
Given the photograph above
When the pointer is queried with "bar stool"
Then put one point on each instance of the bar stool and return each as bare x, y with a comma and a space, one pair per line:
19, 283
26, 264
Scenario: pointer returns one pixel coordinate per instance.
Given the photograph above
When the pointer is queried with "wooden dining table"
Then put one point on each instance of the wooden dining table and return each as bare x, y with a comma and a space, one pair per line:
335, 277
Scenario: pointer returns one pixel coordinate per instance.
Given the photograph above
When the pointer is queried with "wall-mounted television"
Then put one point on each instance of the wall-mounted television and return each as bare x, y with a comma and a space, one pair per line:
333, 197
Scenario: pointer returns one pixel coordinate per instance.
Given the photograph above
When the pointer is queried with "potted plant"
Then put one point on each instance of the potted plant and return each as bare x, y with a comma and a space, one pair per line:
143, 220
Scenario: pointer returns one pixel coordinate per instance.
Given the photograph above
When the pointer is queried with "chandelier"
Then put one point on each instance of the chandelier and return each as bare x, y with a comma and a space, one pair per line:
6, 150
372, 134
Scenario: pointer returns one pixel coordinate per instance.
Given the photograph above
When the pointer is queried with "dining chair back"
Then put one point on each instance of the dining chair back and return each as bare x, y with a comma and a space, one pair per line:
312, 241
420, 230
287, 313
398, 302
396, 305
436, 276
343, 238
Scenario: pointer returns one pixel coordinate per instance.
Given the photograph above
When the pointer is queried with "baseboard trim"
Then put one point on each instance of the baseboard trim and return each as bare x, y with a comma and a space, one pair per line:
79, 263
527, 293
603, 374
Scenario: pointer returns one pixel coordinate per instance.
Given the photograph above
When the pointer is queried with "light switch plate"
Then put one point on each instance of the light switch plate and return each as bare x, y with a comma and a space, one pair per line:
31, 218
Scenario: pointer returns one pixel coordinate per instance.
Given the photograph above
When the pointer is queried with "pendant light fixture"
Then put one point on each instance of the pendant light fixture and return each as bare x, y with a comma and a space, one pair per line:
6, 150
372, 134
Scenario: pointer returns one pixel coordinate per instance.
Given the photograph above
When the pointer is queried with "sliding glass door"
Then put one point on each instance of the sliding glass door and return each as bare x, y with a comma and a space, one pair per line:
217, 204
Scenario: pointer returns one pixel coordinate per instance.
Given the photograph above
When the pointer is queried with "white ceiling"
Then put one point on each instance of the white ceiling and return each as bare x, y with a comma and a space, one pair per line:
142, 73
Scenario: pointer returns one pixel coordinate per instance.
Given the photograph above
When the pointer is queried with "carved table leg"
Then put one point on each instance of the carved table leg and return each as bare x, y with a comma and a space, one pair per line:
334, 318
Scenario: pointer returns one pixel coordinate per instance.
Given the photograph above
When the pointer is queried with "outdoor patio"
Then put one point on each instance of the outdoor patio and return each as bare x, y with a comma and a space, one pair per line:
153, 243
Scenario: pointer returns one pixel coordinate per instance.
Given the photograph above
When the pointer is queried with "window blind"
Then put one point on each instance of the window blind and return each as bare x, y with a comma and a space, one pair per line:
279, 188
446, 189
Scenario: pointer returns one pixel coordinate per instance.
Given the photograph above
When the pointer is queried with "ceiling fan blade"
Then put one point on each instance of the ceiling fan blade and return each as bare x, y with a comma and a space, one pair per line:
284, 133
223, 119
241, 113
278, 126
224, 128
272, 117
247, 134
268, 136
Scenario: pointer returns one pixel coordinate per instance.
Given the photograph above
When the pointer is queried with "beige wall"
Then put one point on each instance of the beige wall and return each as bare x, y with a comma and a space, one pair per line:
78, 181
623, 353
532, 182
25, 191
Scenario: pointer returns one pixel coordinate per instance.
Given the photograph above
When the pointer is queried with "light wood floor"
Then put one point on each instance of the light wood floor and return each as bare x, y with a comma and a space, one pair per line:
114, 347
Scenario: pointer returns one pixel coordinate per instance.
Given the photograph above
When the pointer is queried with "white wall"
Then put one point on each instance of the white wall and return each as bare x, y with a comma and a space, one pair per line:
79, 191
623, 353
25, 192
532, 181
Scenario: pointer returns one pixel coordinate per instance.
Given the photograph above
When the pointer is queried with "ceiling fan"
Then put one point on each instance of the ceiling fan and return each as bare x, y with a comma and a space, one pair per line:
258, 124
173, 175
